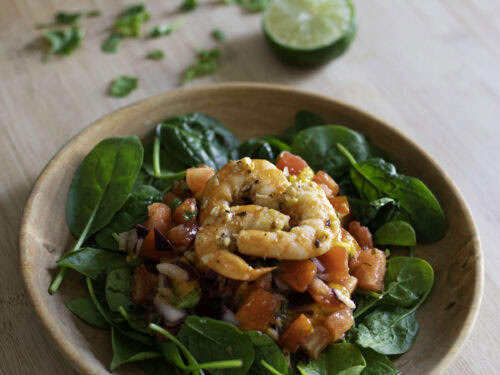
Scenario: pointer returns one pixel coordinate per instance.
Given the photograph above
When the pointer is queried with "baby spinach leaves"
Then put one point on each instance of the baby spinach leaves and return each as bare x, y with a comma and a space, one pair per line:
267, 350
378, 364
84, 308
267, 148
197, 139
126, 350
92, 262
119, 289
395, 233
303, 120
376, 178
318, 146
336, 359
388, 330
213, 340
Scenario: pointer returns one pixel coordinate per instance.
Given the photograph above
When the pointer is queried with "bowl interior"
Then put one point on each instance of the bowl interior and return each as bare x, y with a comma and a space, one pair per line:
250, 110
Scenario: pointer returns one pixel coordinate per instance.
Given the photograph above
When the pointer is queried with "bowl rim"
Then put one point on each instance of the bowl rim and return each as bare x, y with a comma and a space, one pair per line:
72, 354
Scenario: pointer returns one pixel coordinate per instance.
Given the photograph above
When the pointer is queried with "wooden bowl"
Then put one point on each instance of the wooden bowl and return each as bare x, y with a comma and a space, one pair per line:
250, 110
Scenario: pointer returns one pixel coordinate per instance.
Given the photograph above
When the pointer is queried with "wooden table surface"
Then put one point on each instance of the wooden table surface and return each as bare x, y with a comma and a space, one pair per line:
431, 68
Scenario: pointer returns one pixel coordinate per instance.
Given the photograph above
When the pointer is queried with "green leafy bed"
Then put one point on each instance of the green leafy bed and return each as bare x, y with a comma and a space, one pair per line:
120, 177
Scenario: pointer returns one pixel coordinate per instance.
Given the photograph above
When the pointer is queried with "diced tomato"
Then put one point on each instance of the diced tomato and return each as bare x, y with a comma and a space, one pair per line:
339, 322
182, 236
361, 234
172, 200
294, 163
242, 293
257, 311
160, 217
148, 248
296, 333
324, 180
298, 274
336, 263
341, 205
196, 178
186, 212
314, 344
369, 269
144, 286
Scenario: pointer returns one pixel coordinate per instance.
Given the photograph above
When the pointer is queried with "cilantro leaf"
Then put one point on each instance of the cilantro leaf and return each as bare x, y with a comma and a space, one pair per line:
63, 18
189, 5
112, 44
206, 63
122, 86
219, 35
94, 13
156, 55
63, 42
130, 21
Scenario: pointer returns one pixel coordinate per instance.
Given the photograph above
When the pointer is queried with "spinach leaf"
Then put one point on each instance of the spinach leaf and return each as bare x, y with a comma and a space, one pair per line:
126, 350
318, 146
395, 233
336, 359
376, 178
388, 330
103, 183
92, 262
157, 54
84, 308
112, 43
197, 139
136, 320
378, 364
133, 212
122, 86
169, 166
213, 340
63, 42
114, 319
119, 289
158, 366
267, 148
303, 120
375, 213
206, 63
407, 280
266, 349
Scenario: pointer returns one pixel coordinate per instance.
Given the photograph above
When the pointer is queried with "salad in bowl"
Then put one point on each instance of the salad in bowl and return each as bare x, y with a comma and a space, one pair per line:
276, 255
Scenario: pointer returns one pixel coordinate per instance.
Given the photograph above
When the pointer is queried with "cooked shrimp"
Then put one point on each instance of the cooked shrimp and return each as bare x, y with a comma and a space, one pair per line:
317, 231
256, 180
215, 244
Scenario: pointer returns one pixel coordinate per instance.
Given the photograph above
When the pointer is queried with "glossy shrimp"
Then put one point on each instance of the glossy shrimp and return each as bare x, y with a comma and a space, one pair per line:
257, 181
215, 244
317, 231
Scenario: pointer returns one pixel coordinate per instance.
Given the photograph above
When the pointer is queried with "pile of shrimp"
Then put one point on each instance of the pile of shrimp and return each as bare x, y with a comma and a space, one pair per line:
250, 207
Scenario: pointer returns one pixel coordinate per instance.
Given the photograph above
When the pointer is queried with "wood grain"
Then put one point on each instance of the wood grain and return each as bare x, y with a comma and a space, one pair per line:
429, 68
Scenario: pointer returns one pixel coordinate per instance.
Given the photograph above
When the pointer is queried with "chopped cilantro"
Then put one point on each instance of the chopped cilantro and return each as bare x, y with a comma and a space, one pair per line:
156, 55
249, 5
206, 63
63, 42
112, 44
130, 21
189, 215
188, 5
122, 86
63, 18
94, 13
174, 204
219, 35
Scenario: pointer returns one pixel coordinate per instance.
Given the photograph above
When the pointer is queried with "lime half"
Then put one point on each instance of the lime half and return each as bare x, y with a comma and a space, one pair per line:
309, 32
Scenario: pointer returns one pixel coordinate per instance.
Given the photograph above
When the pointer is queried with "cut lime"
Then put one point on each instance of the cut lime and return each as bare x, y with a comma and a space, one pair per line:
309, 32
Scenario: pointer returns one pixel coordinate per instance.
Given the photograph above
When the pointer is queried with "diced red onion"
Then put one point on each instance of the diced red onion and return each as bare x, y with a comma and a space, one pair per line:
171, 315
325, 276
161, 242
228, 316
141, 230
281, 285
173, 271
318, 264
321, 292
138, 245
192, 272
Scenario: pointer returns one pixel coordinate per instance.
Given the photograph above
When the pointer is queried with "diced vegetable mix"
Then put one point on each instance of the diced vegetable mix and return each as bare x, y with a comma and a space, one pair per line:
164, 304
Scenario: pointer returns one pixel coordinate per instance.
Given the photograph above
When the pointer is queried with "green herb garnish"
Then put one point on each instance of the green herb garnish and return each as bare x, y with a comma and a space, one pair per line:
122, 86
189, 5
157, 54
112, 44
206, 63
219, 35
93, 13
130, 21
63, 42
63, 18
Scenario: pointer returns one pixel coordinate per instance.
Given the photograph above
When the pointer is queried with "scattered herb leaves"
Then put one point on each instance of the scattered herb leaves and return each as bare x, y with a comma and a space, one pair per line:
93, 13
122, 86
63, 42
189, 5
206, 63
219, 35
157, 54
112, 43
